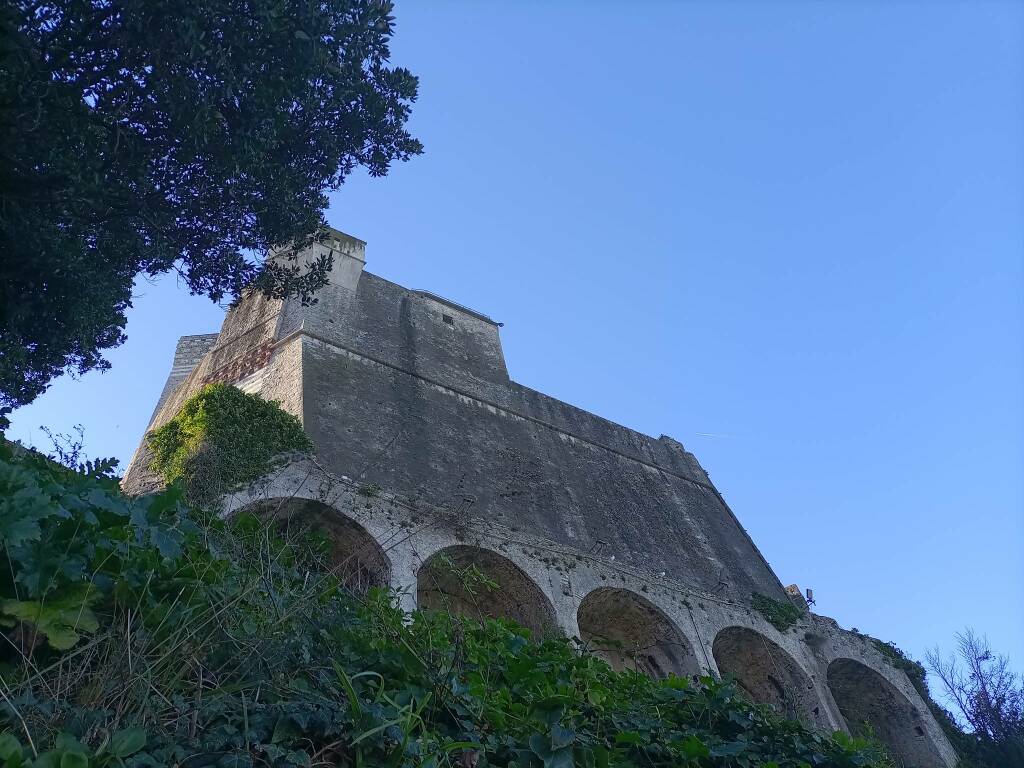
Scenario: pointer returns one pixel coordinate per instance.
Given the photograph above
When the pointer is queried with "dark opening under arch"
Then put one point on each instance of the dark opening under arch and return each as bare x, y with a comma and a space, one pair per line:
766, 674
871, 704
447, 582
630, 632
351, 552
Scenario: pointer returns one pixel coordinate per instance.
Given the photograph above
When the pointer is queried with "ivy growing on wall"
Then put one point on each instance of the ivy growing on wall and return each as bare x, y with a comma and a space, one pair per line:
780, 614
221, 439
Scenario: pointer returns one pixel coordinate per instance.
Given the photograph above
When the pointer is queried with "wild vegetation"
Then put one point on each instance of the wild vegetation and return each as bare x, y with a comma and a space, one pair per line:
781, 615
143, 632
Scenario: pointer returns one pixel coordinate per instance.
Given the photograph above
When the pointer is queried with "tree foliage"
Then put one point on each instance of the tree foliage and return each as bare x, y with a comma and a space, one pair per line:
159, 637
143, 136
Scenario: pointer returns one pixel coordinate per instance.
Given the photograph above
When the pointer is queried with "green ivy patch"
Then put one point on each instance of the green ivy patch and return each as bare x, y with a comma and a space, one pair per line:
780, 614
223, 438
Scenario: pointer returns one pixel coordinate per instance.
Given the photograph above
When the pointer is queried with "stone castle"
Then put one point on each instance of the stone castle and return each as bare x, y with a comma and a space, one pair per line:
429, 458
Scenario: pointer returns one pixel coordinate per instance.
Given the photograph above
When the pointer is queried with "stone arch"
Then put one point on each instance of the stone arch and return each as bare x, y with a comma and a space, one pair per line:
630, 632
870, 703
766, 674
446, 583
352, 551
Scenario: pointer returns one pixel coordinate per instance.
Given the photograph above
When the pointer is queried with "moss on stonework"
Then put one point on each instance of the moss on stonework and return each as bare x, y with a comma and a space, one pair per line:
897, 658
781, 615
223, 438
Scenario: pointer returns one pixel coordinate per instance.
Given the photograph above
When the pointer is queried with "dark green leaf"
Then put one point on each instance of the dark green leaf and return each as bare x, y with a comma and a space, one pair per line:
127, 742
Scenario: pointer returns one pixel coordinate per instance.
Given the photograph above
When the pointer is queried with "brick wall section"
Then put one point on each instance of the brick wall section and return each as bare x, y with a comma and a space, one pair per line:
244, 345
250, 361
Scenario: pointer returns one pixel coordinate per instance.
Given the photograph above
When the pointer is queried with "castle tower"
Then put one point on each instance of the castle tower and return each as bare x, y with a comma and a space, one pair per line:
428, 453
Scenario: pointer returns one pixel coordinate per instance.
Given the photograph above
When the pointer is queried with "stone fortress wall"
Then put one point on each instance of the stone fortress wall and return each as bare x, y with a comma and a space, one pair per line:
426, 449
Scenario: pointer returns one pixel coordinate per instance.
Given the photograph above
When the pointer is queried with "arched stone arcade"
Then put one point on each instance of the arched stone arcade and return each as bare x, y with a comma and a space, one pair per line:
630, 632
767, 674
352, 552
446, 582
870, 703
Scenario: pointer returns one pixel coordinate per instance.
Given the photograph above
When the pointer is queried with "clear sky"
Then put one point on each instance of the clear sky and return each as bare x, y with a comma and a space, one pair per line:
789, 235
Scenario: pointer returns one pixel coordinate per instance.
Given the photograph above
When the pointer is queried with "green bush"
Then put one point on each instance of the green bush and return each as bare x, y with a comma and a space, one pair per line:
223, 438
157, 639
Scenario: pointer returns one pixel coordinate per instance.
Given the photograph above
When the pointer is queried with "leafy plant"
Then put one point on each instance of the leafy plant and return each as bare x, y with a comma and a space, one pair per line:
369, 490
780, 614
222, 438
69, 752
224, 644
59, 620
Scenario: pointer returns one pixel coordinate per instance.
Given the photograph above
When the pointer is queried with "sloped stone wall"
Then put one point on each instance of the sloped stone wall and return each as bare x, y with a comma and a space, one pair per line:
590, 529
826, 676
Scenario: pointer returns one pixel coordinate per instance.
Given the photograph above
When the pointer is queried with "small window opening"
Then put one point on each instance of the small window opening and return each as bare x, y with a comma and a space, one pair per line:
448, 319
919, 730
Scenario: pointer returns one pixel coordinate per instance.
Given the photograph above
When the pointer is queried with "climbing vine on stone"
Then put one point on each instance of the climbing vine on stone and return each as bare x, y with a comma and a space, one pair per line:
221, 439
781, 615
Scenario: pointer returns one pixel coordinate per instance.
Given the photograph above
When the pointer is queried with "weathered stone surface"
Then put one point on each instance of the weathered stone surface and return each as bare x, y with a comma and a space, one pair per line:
428, 453
188, 353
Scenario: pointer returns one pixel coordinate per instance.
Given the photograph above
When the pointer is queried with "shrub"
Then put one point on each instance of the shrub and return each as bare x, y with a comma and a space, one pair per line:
219, 644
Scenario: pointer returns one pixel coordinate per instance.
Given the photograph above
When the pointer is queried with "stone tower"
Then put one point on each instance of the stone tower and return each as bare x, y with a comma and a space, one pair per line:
427, 452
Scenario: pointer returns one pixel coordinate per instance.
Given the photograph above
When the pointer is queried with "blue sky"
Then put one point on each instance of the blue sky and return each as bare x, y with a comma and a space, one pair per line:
787, 234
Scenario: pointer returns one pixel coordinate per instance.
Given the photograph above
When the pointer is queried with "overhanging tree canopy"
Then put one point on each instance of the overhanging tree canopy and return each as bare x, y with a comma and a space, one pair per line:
143, 136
